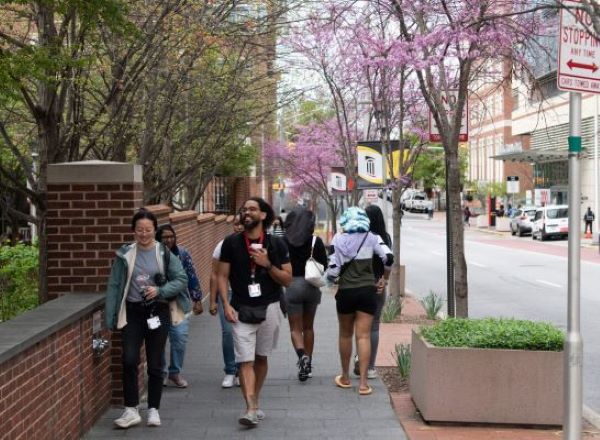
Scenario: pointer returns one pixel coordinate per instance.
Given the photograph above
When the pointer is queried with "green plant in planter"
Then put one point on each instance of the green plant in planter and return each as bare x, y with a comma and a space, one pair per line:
402, 358
500, 333
391, 308
432, 304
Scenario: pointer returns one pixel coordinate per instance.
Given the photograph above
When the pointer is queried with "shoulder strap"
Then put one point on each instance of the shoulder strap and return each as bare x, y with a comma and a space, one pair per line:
166, 258
345, 266
312, 246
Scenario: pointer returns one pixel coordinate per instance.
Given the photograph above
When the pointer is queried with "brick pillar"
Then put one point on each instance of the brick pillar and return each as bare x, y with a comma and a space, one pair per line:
90, 205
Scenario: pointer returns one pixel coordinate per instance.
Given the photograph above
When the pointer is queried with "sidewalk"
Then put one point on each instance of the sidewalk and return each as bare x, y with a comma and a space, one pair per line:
416, 428
294, 410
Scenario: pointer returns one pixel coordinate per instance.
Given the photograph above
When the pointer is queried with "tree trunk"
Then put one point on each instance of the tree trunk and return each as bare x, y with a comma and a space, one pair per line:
396, 277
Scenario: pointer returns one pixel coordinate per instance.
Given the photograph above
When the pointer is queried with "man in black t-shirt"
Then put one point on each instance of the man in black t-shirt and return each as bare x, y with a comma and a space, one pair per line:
256, 266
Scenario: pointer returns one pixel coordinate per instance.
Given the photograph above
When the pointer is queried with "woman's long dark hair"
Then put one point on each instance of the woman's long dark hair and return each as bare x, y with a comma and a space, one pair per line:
377, 223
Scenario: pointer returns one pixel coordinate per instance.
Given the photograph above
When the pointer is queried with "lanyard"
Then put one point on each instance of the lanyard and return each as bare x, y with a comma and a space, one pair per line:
252, 263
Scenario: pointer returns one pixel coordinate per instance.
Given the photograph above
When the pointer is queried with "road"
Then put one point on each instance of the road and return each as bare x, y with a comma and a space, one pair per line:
510, 277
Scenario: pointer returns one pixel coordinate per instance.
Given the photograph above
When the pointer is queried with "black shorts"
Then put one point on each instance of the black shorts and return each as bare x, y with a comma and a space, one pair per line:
358, 299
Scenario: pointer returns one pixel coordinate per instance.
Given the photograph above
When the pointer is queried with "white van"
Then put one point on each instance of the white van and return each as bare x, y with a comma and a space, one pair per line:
551, 221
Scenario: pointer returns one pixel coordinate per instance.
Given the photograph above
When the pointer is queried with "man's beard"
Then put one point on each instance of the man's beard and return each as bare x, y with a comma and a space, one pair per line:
250, 225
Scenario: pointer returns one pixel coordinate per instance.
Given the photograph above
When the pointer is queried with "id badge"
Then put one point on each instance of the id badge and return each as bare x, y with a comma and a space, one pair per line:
254, 290
153, 322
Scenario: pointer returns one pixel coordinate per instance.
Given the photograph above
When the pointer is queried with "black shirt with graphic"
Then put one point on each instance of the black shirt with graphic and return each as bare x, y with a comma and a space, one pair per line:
235, 252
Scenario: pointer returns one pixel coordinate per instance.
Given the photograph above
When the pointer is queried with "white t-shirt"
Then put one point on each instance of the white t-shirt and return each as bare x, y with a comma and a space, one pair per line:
217, 252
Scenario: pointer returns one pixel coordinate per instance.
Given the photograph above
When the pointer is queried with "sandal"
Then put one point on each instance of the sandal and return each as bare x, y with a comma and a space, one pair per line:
365, 391
339, 383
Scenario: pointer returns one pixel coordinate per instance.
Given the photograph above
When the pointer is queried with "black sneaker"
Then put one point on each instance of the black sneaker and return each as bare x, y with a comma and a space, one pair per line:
303, 368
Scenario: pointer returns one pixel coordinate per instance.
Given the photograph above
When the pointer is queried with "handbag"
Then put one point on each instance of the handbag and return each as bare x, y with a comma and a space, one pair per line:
313, 270
252, 314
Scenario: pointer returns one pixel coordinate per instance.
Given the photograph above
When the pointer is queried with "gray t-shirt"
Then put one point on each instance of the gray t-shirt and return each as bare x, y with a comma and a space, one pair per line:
144, 269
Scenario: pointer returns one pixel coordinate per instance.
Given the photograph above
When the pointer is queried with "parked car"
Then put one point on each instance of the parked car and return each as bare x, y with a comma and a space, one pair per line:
417, 202
551, 221
521, 222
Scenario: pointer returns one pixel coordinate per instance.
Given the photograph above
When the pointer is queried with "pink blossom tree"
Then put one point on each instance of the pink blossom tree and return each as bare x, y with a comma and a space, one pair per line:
308, 160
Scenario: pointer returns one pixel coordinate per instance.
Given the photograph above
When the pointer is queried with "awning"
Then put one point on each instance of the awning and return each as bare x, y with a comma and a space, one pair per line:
533, 156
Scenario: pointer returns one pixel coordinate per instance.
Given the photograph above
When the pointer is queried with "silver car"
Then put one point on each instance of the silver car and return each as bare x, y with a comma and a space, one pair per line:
521, 222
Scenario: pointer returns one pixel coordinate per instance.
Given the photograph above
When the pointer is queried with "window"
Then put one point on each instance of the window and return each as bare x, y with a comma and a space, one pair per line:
515, 99
558, 213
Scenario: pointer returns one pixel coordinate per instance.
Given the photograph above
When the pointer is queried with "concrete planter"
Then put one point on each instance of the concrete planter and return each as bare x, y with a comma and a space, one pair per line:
502, 224
482, 221
486, 385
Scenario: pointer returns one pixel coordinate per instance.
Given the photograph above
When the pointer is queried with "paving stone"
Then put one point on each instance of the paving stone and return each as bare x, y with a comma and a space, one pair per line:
295, 410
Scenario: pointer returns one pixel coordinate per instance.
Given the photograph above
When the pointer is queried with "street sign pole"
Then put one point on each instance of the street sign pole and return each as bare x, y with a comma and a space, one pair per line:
573, 340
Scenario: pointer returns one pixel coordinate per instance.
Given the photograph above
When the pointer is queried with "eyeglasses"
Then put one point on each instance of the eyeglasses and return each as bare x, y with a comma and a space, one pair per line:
250, 209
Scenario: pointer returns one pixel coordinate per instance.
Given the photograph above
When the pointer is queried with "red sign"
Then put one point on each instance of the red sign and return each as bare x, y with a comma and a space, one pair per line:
450, 100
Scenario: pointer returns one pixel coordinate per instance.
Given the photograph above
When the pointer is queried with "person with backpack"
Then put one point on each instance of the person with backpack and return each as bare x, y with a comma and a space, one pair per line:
178, 334
143, 297
350, 265
588, 218
256, 265
302, 298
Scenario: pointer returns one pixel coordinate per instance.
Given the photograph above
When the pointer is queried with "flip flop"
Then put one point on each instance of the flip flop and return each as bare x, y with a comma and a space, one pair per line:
339, 383
365, 392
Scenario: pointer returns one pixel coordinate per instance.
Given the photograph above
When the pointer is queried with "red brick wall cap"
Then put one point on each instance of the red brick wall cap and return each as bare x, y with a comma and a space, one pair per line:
158, 209
182, 216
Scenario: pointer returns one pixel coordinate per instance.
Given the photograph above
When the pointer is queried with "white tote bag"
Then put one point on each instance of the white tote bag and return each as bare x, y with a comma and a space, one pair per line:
313, 270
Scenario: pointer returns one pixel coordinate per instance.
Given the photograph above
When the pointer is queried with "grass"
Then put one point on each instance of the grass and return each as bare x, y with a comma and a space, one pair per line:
403, 359
432, 304
391, 309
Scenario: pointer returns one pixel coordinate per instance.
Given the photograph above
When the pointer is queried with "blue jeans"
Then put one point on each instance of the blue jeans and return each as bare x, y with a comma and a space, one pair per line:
178, 336
227, 340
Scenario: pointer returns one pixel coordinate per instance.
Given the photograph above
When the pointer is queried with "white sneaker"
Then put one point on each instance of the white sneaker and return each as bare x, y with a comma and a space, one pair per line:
153, 417
260, 414
228, 381
371, 373
130, 417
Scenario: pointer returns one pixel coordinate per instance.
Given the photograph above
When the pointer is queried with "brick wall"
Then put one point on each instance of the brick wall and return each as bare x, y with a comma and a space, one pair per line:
55, 388
89, 217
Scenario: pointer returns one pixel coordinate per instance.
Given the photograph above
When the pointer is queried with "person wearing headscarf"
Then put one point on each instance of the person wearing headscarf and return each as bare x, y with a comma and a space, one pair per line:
377, 226
301, 297
351, 266
178, 334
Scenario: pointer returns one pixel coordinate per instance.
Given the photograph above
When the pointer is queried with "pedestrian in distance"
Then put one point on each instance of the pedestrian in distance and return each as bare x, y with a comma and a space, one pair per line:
216, 307
351, 267
178, 334
430, 213
377, 227
467, 215
277, 228
146, 291
301, 297
256, 265
588, 218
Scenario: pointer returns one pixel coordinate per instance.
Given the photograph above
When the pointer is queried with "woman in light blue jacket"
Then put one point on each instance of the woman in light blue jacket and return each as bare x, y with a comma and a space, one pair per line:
147, 288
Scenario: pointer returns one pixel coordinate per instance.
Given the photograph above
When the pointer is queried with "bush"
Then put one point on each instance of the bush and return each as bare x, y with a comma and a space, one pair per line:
500, 333
18, 280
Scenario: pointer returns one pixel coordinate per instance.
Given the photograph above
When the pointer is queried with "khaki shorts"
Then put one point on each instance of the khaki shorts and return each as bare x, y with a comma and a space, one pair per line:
256, 339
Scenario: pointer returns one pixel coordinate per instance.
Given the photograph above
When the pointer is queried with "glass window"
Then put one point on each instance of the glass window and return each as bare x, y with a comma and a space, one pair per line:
538, 215
530, 213
558, 213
